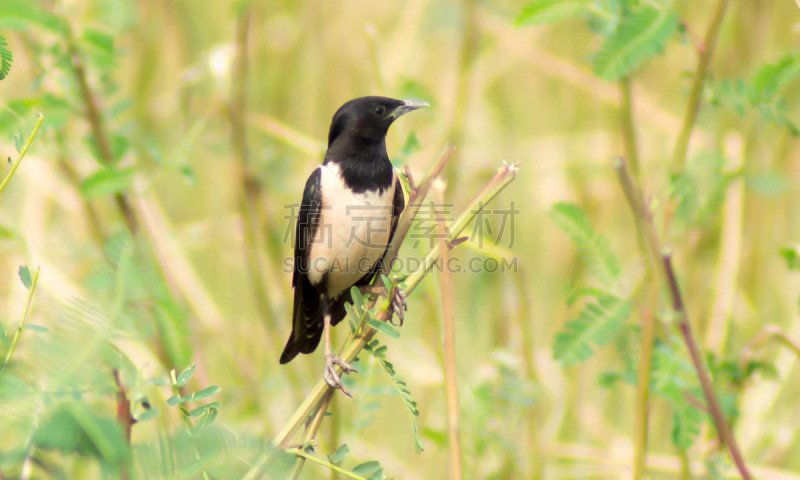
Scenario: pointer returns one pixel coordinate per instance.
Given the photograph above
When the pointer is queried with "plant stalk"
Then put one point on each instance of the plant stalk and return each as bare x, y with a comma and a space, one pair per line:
18, 333
22, 153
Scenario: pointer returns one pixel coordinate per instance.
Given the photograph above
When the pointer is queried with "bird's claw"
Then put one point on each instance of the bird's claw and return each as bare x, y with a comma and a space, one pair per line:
329, 373
400, 306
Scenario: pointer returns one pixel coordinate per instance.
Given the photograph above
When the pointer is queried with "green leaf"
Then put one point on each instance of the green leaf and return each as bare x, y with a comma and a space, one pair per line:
102, 42
161, 382
383, 327
367, 468
21, 14
205, 393
596, 324
202, 409
175, 400
378, 475
74, 427
638, 36
594, 248
186, 374
148, 414
205, 422
35, 328
339, 454
172, 324
25, 276
546, 11
6, 58
771, 77
378, 351
19, 143
4, 336
107, 181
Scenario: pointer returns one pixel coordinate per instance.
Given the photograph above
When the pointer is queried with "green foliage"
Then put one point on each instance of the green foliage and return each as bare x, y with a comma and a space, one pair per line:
792, 257
379, 352
595, 249
339, 455
25, 276
599, 321
700, 189
597, 324
673, 378
545, 11
6, 58
763, 93
72, 426
22, 14
639, 36
107, 181
632, 32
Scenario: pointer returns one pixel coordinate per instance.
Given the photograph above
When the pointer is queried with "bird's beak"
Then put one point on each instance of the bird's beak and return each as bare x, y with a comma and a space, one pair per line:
408, 106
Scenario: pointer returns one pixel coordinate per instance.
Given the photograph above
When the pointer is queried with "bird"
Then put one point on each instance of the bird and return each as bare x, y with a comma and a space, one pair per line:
346, 223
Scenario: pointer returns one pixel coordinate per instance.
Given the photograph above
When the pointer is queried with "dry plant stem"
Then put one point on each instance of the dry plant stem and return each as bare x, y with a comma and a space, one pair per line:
769, 332
628, 130
503, 178
644, 221
643, 394
286, 134
250, 185
704, 56
730, 247
18, 333
714, 407
413, 205
98, 131
311, 432
22, 153
124, 417
449, 327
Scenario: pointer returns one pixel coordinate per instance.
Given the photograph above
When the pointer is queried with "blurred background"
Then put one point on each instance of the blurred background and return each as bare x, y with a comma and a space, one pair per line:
210, 117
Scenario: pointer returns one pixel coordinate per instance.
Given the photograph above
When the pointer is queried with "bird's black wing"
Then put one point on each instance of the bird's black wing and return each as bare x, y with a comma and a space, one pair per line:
307, 319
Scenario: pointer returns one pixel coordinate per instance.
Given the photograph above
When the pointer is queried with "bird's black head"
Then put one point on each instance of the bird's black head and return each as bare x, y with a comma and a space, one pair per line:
367, 119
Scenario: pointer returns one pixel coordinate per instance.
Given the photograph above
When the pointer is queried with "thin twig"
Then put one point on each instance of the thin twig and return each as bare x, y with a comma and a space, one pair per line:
18, 333
332, 467
644, 220
22, 153
98, 131
628, 130
730, 247
704, 56
311, 432
448, 324
769, 332
705, 380
642, 418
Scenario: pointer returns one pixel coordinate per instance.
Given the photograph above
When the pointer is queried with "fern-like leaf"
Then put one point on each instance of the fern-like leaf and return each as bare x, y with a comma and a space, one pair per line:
771, 77
596, 251
596, 324
639, 36
545, 11
379, 352
673, 379
5, 58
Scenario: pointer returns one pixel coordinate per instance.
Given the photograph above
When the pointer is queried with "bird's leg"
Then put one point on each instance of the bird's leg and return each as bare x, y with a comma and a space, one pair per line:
399, 305
331, 359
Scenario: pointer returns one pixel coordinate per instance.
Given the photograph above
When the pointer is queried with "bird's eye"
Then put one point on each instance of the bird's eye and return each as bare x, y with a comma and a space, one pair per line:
380, 109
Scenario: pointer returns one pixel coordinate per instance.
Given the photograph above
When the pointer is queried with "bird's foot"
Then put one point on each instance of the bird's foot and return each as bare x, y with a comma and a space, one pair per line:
329, 374
400, 306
